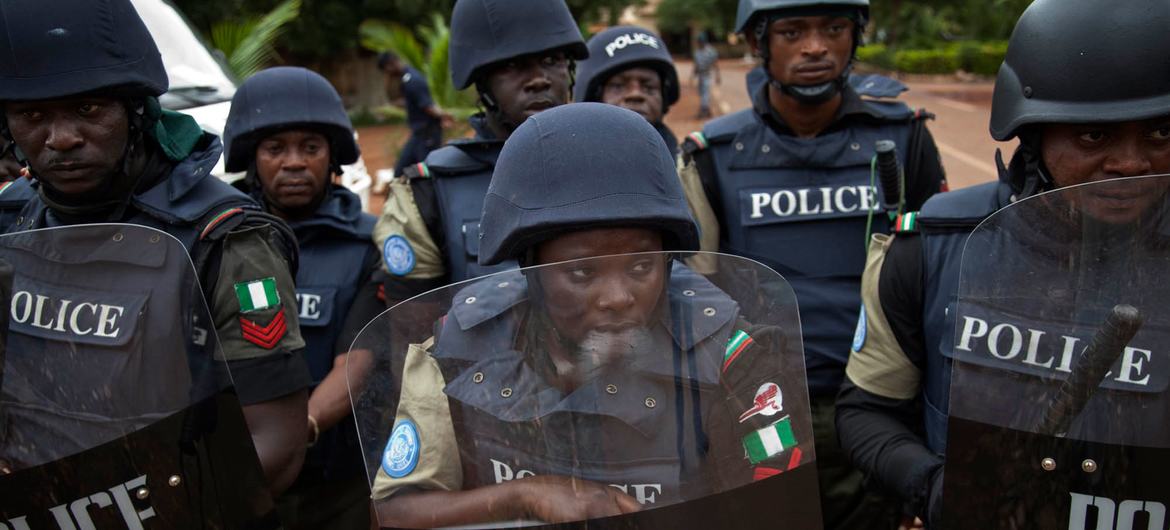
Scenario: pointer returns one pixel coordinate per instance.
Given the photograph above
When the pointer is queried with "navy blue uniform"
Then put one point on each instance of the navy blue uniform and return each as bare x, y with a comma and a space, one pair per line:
426, 131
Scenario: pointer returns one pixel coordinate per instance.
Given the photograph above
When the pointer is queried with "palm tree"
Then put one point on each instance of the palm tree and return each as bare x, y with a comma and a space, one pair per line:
249, 44
380, 36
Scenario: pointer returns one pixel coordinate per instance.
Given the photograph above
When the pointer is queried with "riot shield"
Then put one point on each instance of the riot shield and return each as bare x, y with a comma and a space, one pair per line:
1058, 406
117, 409
624, 391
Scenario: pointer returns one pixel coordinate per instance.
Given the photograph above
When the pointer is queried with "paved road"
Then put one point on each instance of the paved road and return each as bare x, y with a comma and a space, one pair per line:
960, 129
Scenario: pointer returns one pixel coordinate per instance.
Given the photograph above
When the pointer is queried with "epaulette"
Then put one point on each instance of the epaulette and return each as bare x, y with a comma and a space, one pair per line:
694, 143
907, 222
221, 219
923, 114
417, 171
453, 160
877, 86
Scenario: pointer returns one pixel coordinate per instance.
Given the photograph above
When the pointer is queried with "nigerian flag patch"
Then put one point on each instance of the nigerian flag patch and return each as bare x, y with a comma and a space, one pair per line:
257, 294
769, 441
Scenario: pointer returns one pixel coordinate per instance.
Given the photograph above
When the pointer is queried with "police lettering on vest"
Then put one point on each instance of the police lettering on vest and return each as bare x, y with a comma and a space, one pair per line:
644, 493
309, 306
628, 39
1051, 348
804, 203
74, 315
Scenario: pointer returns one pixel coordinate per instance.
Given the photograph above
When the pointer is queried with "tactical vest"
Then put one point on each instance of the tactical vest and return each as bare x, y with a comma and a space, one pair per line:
334, 244
801, 206
187, 204
462, 171
511, 424
946, 220
101, 300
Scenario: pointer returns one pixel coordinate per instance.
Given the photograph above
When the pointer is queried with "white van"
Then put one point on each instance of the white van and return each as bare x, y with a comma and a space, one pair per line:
203, 88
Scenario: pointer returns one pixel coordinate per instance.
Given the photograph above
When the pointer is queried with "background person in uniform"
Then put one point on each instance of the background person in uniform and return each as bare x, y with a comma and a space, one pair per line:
519, 55
1086, 106
790, 182
587, 351
425, 119
630, 67
706, 64
79, 93
289, 131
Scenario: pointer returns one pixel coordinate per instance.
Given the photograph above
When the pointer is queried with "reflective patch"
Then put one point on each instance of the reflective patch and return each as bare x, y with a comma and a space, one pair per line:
401, 454
399, 255
860, 332
768, 401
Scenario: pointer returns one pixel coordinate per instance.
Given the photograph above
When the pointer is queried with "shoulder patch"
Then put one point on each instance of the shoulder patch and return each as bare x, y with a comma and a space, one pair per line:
257, 295
419, 170
398, 255
4, 187
738, 343
219, 219
907, 222
401, 454
769, 441
861, 331
266, 336
699, 139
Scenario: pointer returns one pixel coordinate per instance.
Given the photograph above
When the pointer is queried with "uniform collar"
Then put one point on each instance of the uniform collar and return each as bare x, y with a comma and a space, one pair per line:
341, 211
696, 325
190, 171
852, 106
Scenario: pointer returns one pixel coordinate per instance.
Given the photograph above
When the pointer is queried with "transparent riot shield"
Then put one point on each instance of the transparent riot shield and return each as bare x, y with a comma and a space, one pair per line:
624, 391
116, 406
1058, 404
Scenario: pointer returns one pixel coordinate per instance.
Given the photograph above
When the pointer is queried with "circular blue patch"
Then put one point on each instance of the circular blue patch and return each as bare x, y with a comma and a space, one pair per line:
401, 454
860, 332
399, 255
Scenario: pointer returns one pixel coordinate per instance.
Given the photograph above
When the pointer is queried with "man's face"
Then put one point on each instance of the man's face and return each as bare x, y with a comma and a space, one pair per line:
1080, 153
293, 167
606, 305
638, 89
72, 144
526, 85
808, 51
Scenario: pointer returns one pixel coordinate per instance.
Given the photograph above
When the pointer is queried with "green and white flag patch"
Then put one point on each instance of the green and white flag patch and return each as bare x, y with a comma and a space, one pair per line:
257, 295
769, 441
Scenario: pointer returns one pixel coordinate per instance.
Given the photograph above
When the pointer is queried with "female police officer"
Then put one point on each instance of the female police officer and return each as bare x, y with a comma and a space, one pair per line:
590, 387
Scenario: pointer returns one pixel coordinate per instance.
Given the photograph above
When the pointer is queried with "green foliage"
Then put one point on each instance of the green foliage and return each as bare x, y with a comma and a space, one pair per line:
680, 16
379, 36
249, 44
877, 55
983, 58
937, 61
925, 24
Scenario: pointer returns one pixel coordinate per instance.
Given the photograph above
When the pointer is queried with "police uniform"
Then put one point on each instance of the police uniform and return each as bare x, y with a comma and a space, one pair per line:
621, 48
892, 411
232, 245
426, 132
429, 229
480, 412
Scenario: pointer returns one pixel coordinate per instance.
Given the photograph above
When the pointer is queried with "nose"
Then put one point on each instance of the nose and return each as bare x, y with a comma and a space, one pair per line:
614, 295
294, 160
1129, 159
815, 45
63, 136
635, 92
538, 80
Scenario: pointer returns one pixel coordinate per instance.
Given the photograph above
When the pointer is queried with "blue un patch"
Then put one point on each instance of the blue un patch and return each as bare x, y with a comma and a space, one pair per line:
860, 332
401, 454
399, 255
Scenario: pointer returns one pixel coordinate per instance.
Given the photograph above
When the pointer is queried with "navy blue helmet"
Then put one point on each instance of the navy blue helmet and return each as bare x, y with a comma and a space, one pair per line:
284, 98
620, 48
485, 32
748, 9
69, 47
550, 179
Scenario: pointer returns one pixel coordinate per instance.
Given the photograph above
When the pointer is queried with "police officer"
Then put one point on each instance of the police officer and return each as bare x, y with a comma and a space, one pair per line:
80, 93
574, 409
1086, 106
425, 119
519, 55
630, 67
790, 182
289, 131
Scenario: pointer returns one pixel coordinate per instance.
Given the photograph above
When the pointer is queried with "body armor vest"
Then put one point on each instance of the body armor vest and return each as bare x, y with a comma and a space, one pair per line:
946, 221
801, 206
